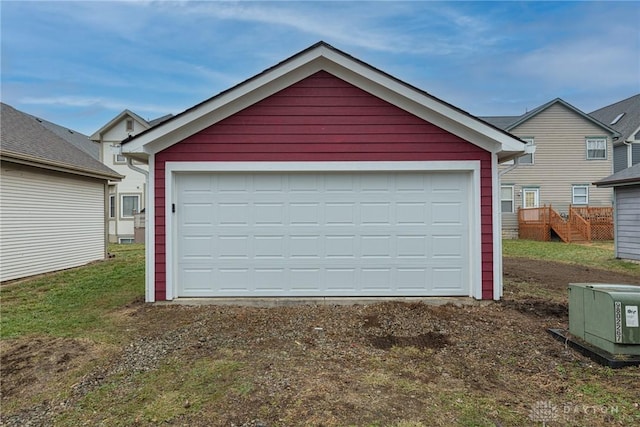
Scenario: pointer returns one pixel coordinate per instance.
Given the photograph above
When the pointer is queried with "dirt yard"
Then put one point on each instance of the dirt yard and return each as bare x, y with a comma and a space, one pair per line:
403, 364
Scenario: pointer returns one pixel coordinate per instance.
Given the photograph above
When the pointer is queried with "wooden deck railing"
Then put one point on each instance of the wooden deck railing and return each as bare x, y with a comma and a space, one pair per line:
600, 220
559, 225
533, 224
579, 223
582, 223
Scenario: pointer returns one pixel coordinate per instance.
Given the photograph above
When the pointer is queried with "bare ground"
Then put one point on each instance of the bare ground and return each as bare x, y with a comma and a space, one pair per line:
390, 363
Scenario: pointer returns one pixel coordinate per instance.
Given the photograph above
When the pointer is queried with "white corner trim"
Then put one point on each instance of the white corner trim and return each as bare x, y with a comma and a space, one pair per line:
475, 215
150, 235
497, 229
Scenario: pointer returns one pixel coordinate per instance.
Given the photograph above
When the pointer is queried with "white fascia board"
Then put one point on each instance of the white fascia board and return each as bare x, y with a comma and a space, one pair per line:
422, 105
225, 105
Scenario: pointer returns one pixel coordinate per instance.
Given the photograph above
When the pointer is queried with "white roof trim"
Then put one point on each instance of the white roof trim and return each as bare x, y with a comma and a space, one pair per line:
305, 64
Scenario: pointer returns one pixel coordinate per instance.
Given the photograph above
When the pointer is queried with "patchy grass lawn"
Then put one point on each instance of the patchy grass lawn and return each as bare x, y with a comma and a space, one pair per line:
595, 254
76, 302
81, 348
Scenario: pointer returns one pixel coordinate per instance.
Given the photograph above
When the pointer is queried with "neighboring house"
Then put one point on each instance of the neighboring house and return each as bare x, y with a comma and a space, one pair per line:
52, 197
126, 197
572, 150
624, 117
626, 190
323, 177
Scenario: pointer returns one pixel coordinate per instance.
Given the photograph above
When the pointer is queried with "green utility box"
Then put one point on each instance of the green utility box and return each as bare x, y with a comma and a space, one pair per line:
606, 316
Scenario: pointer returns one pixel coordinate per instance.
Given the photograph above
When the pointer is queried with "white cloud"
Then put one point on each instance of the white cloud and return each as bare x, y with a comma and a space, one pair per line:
82, 102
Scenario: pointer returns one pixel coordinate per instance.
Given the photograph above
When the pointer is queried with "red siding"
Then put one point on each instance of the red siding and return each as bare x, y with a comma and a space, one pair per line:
323, 118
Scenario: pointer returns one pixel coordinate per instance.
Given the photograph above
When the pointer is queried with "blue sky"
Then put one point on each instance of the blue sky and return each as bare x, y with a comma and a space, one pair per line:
80, 63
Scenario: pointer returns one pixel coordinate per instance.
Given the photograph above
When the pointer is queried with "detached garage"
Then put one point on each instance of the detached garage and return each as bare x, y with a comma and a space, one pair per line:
323, 176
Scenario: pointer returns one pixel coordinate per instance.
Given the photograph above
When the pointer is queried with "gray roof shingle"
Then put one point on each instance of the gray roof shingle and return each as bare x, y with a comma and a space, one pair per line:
630, 120
624, 177
25, 138
78, 139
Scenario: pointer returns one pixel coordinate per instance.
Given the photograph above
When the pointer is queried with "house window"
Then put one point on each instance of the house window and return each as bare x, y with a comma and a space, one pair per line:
129, 125
112, 206
527, 159
596, 148
580, 195
129, 205
126, 240
506, 198
119, 158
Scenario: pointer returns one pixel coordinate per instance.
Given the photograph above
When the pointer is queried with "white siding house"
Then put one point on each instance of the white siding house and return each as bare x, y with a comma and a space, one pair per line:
52, 199
128, 196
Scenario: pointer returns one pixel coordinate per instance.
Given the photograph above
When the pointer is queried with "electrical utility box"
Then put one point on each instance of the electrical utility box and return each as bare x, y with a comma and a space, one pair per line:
606, 316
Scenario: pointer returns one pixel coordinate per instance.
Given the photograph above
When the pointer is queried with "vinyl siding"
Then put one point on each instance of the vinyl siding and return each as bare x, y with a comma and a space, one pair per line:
48, 221
323, 118
635, 150
619, 158
560, 161
628, 222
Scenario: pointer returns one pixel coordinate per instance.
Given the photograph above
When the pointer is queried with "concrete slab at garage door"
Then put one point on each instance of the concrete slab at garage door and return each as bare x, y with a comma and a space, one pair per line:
323, 234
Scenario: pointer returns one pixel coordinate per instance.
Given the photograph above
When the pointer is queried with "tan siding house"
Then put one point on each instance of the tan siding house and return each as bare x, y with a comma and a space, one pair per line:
572, 150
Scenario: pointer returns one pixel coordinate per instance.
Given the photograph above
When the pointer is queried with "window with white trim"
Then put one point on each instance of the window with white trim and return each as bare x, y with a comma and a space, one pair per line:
129, 205
596, 148
126, 240
119, 158
129, 125
527, 159
112, 206
580, 195
506, 199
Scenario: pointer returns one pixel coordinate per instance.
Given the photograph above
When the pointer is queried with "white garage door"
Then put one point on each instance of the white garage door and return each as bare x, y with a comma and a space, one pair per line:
322, 234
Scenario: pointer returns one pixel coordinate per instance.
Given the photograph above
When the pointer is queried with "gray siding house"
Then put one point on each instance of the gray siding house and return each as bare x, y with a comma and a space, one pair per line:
53, 194
624, 117
572, 150
626, 190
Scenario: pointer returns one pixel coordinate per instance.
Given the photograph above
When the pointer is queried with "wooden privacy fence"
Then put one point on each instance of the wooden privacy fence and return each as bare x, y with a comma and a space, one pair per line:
581, 224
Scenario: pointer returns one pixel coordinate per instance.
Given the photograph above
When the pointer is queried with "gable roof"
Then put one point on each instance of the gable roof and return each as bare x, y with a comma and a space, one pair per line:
322, 56
97, 135
26, 140
628, 124
628, 176
509, 123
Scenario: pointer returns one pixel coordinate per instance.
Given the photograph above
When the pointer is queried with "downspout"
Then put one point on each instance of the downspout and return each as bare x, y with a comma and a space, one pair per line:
137, 169
629, 145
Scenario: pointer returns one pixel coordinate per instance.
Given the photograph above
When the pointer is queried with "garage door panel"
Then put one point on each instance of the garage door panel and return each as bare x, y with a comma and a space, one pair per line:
446, 213
447, 247
447, 279
412, 247
411, 279
232, 213
376, 246
376, 280
322, 234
